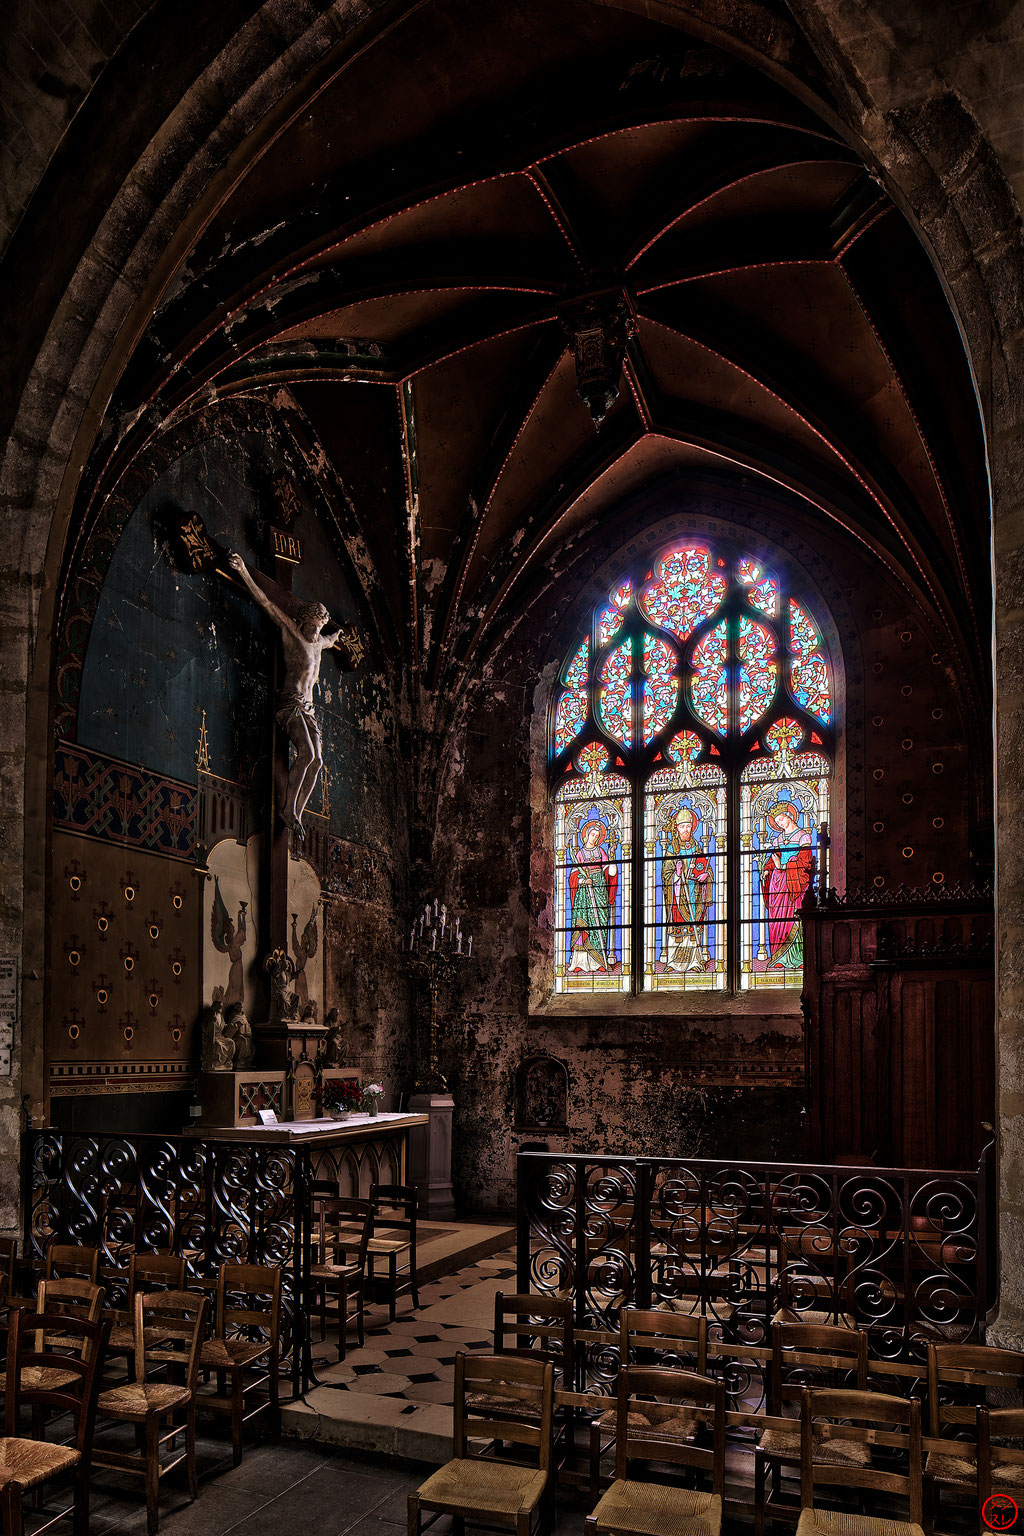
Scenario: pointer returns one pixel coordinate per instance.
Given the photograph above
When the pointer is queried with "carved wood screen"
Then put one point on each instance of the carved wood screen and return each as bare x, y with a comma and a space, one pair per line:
900, 1028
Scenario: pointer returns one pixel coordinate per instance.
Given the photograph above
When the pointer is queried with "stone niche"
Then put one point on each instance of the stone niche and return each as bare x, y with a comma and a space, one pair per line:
542, 1094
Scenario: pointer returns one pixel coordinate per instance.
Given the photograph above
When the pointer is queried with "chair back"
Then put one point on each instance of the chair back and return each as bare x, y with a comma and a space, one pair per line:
698, 1396
860, 1413
70, 1261
155, 1272
170, 1327
999, 1424
516, 1382
8, 1258
654, 1338
339, 1218
394, 1208
813, 1355
240, 1289
69, 1299
969, 1367
537, 1328
27, 1346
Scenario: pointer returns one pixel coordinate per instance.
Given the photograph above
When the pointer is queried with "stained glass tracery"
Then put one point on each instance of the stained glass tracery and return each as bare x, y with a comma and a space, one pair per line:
757, 673
610, 619
763, 591
661, 688
687, 588
615, 699
809, 671
708, 687
571, 712
716, 685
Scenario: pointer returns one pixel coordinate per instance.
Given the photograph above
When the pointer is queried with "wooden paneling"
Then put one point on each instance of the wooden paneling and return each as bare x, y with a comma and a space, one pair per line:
900, 1020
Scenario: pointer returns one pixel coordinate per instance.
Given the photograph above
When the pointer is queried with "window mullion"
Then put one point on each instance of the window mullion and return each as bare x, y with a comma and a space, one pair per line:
732, 808
638, 881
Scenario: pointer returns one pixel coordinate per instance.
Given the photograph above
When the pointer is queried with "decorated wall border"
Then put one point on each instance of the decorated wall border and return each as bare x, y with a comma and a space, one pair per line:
118, 802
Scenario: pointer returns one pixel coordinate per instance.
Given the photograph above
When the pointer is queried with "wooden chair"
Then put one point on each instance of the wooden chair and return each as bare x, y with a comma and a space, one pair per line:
657, 1337
394, 1239
958, 1376
29, 1463
146, 1272
74, 1299
813, 1280
692, 1262
1000, 1468
69, 1261
233, 1353
803, 1355
649, 1508
169, 1330
483, 1489
77, 1299
8, 1262
534, 1327
859, 1413
344, 1228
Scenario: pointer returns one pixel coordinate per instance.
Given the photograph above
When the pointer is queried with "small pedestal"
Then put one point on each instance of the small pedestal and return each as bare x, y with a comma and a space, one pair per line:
235, 1098
430, 1154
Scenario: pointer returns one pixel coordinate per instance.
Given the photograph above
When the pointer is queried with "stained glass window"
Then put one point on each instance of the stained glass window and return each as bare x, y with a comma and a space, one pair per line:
691, 740
593, 871
685, 878
783, 803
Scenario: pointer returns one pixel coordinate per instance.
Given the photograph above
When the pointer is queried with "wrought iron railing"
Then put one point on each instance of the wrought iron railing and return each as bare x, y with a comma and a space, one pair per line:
212, 1201
902, 1252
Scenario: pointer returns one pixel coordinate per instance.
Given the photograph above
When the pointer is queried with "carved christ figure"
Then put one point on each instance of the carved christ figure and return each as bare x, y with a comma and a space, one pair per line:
304, 639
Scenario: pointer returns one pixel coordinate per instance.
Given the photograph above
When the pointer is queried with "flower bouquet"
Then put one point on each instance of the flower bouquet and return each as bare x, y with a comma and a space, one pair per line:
340, 1097
372, 1095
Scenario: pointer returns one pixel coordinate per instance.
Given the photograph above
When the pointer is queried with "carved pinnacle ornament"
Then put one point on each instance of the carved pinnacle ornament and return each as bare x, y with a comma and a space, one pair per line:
598, 329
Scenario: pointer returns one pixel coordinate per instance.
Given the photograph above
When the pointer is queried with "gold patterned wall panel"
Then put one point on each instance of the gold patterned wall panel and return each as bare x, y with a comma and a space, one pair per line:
123, 984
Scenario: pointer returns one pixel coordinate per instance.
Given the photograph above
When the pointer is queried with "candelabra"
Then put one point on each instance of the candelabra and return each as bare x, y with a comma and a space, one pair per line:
437, 946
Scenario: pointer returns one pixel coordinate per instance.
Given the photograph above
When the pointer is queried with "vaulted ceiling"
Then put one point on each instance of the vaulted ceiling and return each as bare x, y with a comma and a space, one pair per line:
405, 262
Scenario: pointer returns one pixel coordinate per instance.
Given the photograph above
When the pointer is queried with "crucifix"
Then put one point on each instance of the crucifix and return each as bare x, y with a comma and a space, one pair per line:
297, 759
304, 638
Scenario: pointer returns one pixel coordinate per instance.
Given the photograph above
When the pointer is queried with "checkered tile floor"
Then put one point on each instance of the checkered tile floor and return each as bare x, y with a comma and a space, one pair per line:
413, 1358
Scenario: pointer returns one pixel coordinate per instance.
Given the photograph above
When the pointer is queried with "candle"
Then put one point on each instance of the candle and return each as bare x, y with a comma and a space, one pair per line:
460, 944
469, 951
434, 945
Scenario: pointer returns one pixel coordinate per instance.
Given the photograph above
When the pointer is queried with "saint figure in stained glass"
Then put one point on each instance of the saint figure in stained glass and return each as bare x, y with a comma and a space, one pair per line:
593, 880
785, 876
687, 883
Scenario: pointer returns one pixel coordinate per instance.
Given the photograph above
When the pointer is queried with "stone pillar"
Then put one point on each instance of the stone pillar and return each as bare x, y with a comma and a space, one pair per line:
430, 1154
1008, 1328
